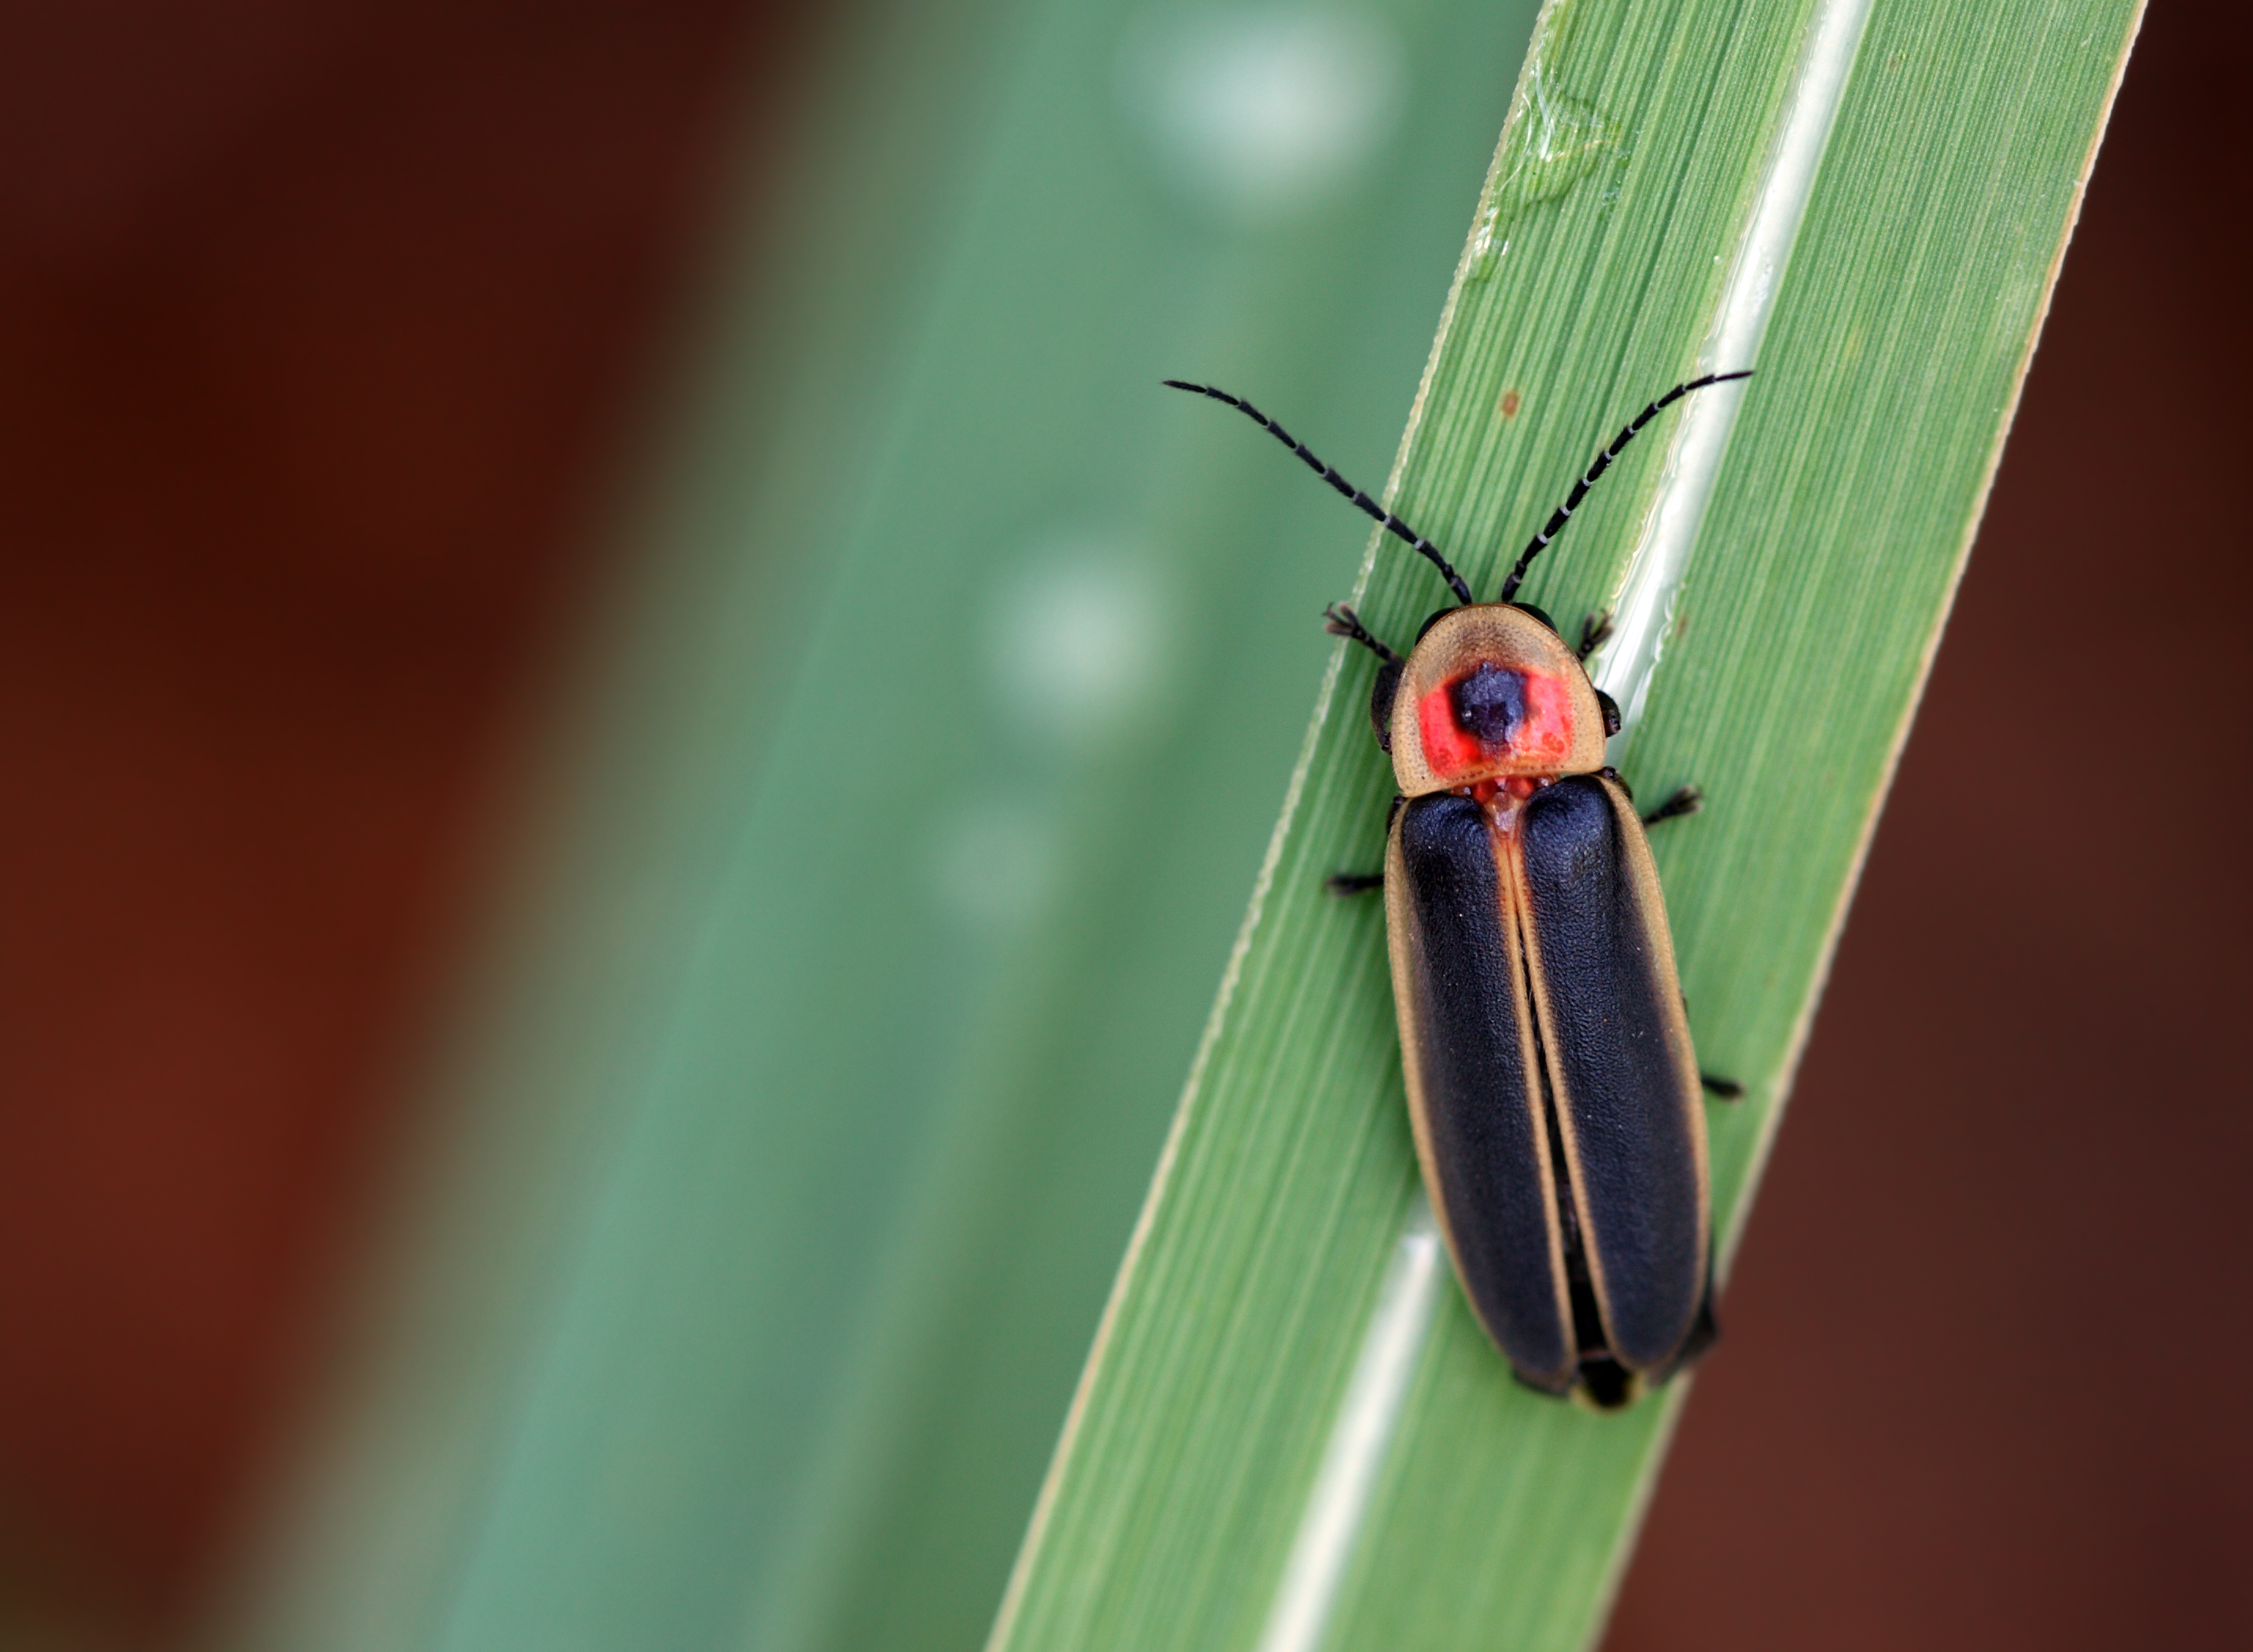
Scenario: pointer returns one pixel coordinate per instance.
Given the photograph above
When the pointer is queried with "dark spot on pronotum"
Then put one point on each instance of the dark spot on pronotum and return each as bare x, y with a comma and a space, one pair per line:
1489, 703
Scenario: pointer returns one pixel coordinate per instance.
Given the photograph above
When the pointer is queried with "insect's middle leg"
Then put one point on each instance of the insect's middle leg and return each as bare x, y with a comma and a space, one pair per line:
1362, 883
1690, 800
1685, 800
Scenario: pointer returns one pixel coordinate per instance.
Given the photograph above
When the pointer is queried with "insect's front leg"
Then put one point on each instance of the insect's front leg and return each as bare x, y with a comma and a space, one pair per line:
1595, 630
1340, 620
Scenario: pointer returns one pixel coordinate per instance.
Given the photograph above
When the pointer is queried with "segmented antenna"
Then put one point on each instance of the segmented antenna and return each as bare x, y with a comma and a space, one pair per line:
1563, 512
1361, 500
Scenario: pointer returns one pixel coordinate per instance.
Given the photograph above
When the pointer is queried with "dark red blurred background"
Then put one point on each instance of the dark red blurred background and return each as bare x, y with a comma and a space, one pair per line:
321, 324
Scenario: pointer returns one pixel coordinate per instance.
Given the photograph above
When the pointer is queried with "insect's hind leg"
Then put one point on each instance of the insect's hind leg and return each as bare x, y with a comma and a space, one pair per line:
1704, 1332
1685, 800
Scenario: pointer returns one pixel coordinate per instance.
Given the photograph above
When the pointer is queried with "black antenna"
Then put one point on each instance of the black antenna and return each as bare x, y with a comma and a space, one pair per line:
1367, 505
1557, 520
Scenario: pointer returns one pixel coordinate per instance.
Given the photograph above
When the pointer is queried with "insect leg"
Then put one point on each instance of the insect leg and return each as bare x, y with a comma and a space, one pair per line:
1704, 1334
1362, 883
1685, 800
1595, 630
1340, 620
1689, 800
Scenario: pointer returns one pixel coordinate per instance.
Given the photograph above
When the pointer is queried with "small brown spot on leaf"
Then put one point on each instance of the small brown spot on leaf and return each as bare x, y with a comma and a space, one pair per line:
1509, 404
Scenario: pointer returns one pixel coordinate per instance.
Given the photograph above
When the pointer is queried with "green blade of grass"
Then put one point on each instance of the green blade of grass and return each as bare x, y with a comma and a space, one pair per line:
1840, 518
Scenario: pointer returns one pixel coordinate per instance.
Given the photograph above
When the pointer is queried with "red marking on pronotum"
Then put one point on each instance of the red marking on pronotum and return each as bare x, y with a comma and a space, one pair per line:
1547, 731
1447, 748
1544, 735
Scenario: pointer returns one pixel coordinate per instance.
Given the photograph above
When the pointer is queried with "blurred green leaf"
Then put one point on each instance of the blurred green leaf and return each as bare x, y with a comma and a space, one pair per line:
925, 736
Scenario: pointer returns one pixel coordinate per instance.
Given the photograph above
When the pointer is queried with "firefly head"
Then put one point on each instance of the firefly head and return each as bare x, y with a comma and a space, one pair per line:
1491, 691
